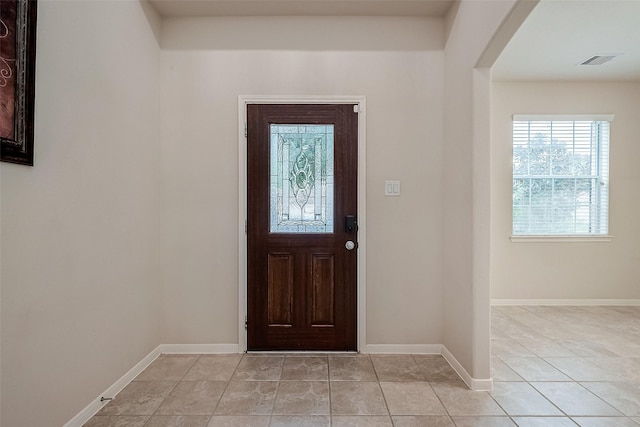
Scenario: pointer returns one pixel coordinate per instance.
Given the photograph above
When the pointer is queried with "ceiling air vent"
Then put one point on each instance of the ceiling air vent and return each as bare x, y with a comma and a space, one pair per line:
598, 59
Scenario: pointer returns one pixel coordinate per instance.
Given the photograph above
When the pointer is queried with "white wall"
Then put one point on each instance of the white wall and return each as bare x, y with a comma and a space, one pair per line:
603, 270
397, 63
80, 280
471, 26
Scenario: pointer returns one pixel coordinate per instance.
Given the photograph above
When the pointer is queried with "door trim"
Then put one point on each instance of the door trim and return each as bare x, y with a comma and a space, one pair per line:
243, 100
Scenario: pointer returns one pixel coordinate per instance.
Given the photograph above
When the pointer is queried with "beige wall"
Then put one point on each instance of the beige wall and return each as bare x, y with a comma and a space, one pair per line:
206, 64
602, 270
466, 183
80, 303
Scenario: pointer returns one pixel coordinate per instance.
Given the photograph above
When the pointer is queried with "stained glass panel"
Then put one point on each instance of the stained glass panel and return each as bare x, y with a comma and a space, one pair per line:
301, 178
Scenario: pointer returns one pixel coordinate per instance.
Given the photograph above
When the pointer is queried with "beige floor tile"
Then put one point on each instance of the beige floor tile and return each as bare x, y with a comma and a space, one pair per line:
193, 398
546, 348
596, 345
632, 311
300, 421
623, 347
116, 421
213, 368
544, 422
534, 369
518, 398
509, 309
436, 369
248, 398
361, 421
541, 310
509, 348
307, 368
582, 369
625, 368
459, 400
259, 368
587, 348
357, 398
351, 368
422, 421
605, 422
167, 368
602, 309
520, 330
397, 368
625, 397
411, 398
139, 398
500, 371
239, 421
178, 421
575, 400
497, 332
483, 422
302, 398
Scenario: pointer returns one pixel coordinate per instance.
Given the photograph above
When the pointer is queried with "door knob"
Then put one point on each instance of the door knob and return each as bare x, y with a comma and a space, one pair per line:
350, 245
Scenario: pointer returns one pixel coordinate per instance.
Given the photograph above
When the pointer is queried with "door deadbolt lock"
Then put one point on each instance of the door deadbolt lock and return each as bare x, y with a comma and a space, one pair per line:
350, 224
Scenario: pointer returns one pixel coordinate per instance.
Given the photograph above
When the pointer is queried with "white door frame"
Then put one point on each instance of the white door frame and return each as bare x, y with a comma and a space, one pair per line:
243, 100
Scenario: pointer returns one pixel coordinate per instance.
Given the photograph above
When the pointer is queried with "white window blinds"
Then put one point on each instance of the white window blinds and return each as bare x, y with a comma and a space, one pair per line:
560, 175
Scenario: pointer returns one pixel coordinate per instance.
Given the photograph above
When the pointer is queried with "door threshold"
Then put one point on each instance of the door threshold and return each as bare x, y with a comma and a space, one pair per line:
299, 352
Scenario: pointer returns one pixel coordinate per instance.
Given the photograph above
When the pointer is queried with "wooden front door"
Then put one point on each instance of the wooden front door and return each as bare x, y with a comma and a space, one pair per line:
301, 228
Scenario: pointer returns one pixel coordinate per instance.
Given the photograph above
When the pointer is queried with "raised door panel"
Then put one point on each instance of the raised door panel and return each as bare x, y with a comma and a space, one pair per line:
322, 290
280, 289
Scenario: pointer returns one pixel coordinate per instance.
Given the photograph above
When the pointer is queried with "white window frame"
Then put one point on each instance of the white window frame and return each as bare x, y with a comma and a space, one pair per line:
603, 176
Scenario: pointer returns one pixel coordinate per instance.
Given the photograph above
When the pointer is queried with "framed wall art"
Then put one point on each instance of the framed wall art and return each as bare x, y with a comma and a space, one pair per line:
17, 79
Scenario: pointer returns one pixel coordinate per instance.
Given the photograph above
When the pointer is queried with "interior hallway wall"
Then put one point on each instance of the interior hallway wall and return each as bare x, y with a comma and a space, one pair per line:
80, 230
560, 270
470, 27
397, 63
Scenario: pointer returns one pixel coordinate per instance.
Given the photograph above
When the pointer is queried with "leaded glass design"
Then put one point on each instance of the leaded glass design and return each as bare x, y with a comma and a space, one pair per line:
301, 178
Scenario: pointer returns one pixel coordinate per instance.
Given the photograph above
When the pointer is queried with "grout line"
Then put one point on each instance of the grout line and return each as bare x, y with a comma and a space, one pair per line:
168, 394
574, 316
226, 387
330, 391
446, 410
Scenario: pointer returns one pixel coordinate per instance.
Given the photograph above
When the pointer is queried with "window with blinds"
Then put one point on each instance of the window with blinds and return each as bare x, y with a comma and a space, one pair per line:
560, 175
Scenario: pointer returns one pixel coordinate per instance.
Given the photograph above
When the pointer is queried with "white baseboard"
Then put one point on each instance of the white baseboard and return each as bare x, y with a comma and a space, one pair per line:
473, 383
92, 408
199, 348
569, 302
402, 349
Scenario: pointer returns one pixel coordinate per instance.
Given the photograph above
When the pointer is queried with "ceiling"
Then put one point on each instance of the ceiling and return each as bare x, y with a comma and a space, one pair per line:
560, 34
175, 8
556, 37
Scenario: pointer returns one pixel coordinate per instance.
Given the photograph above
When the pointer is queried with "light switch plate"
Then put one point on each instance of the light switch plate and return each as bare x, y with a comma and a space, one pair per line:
392, 188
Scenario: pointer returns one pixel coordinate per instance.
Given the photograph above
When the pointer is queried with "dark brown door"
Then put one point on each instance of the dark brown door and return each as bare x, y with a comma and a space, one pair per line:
302, 202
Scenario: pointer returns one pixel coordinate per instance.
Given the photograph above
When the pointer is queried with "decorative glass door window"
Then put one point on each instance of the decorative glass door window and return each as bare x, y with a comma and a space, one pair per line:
301, 178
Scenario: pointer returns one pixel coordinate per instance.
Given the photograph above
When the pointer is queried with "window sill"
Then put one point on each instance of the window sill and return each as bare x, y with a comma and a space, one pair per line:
562, 239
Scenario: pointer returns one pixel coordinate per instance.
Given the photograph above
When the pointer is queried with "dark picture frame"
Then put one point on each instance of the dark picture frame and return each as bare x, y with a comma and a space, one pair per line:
17, 79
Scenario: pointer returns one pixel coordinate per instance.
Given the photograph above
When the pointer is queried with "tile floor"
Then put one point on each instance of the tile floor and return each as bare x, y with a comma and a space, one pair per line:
552, 367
